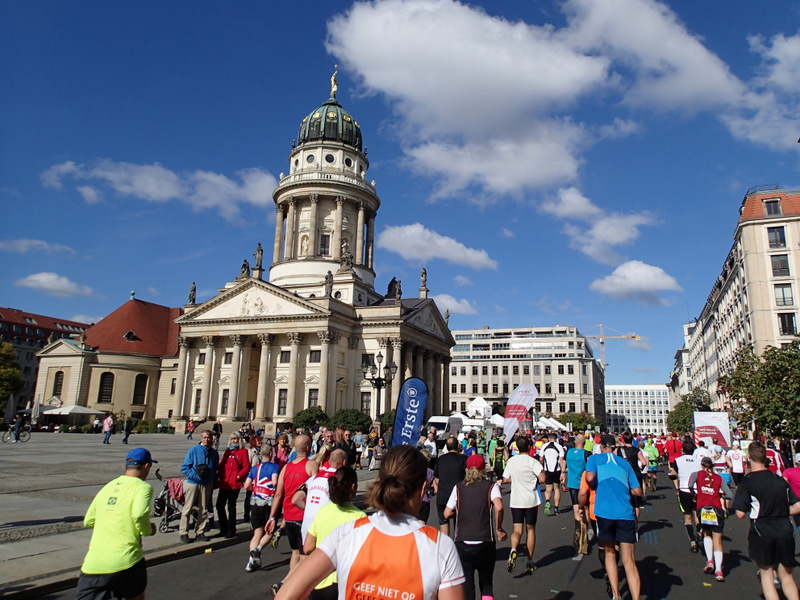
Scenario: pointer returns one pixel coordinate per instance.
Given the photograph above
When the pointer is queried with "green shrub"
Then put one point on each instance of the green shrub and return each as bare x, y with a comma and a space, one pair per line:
352, 419
308, 417
63, 428
87, 428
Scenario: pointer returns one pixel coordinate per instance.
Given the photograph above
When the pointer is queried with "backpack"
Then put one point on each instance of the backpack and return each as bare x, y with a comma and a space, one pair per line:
632, 456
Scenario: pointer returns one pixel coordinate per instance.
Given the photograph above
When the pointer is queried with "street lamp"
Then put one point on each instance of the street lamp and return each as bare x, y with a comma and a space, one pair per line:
371, 374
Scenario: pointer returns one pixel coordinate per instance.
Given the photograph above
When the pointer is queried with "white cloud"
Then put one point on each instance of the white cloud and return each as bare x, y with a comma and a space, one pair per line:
455, 306
507, 233
637, 281
499, 309
22, 246
90, 319
571, 204
553, 306
460, 280
644, 344
416, 243
153, 291
202, 190
53, 284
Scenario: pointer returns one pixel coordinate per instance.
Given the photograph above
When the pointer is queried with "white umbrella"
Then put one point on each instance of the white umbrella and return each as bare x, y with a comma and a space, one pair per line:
36, 410
11, 409
74, 410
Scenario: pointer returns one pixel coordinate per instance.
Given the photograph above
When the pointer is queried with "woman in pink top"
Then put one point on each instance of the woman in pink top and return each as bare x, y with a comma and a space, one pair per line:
282, 450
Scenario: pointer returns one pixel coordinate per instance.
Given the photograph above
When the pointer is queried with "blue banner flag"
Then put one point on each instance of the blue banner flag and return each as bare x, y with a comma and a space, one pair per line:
410, 412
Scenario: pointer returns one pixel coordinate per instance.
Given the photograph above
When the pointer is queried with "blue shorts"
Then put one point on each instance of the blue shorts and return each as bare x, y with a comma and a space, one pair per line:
617, 530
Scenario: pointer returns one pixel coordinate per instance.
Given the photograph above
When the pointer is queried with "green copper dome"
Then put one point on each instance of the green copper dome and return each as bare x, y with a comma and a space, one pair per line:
330, 122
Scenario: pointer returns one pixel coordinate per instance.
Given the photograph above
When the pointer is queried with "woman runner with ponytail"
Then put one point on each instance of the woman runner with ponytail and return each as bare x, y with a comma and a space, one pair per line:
711, 489
389, 554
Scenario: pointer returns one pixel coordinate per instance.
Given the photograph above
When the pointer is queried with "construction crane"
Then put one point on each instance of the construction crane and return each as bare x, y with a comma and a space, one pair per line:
603, 337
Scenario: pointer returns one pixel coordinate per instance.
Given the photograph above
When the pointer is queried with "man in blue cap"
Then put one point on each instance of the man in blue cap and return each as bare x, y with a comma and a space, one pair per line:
120, 516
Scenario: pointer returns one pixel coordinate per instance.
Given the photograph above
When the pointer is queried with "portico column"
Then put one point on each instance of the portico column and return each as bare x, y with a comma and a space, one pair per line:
370, 238
266, 340
408, 363
180, 378
208, 369
354, 375
326, 338
397, 356
312, 227
288, 251
233, 399
359, 258
276, 245
337, 228
445, 385
419, 364
436, 407
295, 339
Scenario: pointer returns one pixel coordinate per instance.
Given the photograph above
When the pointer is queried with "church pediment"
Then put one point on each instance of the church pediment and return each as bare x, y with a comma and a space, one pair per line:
252, 299
428, 319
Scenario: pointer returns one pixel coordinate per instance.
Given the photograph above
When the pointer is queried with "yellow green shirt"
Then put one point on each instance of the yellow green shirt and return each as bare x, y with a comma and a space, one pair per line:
120, 515
328, 518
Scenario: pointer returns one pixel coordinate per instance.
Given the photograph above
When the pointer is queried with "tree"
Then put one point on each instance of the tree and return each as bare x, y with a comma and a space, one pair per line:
580, 421
388, 418
308, 417
766, 389
352, 419
681, 418
10, 374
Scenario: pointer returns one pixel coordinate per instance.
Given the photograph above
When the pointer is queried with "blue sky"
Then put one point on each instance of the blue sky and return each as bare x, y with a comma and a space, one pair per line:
576, 162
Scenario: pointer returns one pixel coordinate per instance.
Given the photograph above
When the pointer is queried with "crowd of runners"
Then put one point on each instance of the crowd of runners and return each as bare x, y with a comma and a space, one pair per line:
302, 487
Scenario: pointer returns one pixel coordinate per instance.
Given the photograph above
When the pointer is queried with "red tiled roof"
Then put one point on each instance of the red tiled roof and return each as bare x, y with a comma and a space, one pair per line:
753, 207
153, 327
14, 316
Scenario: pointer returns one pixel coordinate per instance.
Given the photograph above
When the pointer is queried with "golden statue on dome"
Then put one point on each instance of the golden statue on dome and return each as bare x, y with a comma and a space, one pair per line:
334, 84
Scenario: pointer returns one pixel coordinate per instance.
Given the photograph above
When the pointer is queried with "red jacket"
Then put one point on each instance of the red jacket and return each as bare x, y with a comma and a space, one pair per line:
233, 469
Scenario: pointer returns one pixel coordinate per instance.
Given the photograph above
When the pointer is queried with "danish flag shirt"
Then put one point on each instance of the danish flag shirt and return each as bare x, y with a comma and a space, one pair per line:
317, 496
392, 558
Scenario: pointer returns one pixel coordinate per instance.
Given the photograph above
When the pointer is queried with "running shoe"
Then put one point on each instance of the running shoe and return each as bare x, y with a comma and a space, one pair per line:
250, 566
709, 568
530, 567
275, 588
255, 558
719, 576
694, 547
511, 563
547, 508
275, 539
556, 511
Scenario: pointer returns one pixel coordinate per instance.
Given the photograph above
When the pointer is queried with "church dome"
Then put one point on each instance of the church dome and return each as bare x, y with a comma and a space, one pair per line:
330, 123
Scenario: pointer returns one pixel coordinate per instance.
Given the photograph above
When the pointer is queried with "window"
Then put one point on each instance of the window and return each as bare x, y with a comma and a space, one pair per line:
474, 370
787, 324
463, 371
560, 369
282, 398
172, 386
453, 388
485, 388
139, 389
536, 370
548, 407
583, 369
58, 383
777, 237
526, 370
515, 370
226, 394
474, 388
570, 369
286, 356
780, 265
538, 389
463, 388
562, 408
367, 359
324, 245
571, 388
314, 356
572, 407
494, 370
463, 407
228, 358
366, 402
313, 398
548, 389
585, 388
561, 388
783, 294
505, 369
197, 394
453, 371
106, 390
495, 389
772, 207
484, 370
547, 369
201, 358
505, 389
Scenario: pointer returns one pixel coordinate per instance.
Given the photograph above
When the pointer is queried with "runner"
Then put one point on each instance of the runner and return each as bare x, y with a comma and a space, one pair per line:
737, 462
674, 451
684, 467
651, 451
576, 464
262, 481
711, 488
365, 552
552, 455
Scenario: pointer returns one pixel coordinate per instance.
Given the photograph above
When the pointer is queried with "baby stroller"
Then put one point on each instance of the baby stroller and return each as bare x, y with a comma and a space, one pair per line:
169, 503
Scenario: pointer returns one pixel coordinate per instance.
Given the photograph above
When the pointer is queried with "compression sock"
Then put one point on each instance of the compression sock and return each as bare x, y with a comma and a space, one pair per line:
717, 560
708, 545
690, 531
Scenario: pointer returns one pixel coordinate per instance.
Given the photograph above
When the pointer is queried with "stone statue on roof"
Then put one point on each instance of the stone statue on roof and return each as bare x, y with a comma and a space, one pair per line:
423, 276
398, 291
259, 254
245, 268
334, 84
328, 284
192, 293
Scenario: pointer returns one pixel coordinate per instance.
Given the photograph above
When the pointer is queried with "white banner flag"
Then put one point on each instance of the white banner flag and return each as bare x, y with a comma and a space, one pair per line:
519, 403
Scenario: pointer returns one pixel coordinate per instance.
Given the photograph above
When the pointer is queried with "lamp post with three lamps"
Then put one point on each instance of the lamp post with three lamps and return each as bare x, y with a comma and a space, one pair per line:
372, 374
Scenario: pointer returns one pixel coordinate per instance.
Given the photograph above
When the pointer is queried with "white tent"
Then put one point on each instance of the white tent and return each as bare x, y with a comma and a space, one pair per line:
497, 420
553, 424
478, 408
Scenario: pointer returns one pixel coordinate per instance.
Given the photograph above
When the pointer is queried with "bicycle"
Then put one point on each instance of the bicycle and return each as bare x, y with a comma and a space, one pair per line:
24, 434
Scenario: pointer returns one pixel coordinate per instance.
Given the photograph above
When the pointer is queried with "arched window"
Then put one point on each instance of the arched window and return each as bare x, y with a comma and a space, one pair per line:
58, 383
106, 390
139, 389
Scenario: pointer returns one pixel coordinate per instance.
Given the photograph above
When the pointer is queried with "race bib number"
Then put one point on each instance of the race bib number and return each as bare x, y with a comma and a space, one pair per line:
708, 516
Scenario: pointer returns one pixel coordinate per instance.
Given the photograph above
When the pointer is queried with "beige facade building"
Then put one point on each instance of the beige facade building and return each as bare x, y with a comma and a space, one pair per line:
638, 408
754, 299
294, 332
558, 360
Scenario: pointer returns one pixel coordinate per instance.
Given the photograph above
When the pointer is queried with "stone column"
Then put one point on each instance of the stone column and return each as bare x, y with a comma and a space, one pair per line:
419, 363
233, 399
436, 407
337, 228
266, 340
295, 339
312, 227
180, 378
359, 257
445, 407
408, 362
354, 373
370, 238
326, 338
397, 356
288, 251
207, 372
278, 243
